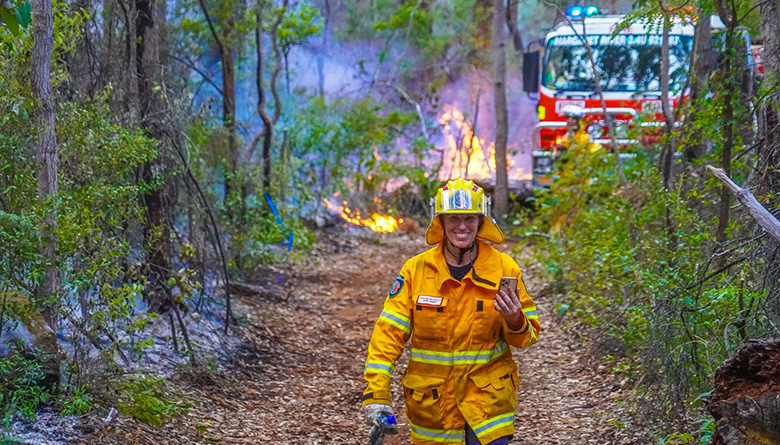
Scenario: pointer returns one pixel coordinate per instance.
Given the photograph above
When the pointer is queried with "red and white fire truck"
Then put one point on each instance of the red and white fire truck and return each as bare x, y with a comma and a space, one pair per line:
628, 64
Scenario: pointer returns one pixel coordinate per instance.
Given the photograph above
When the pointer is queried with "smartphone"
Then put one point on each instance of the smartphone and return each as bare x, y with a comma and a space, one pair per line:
508, 283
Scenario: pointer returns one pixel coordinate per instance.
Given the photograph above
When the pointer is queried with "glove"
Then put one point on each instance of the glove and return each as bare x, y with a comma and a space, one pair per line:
374, 411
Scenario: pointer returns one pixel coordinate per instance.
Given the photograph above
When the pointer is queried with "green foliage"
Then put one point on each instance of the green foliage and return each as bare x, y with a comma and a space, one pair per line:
267, 236
148, 400
76, 402
16, 16
297, 26
434, 28
640, 269
352, 141
20, 385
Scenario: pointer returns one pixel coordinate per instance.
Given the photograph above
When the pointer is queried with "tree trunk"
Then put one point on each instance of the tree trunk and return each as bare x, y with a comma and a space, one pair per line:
321, 52
727, 138
769, 157
47, 298
157, 232
229, 103
497, 50
745, 401
669, 142
703, 66
482, 24
769, 13
760, 214
268, 122
511, 22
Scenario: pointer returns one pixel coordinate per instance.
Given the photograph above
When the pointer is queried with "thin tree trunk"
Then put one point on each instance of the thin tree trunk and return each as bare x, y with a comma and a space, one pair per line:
770, 30
608, 118
669, 140
224, 44
760, 214
229, 103
268, 122
511, 22
727, 138
321, 52
156, 230
703, 61
482, 25
769, 157
48, 298
501, 193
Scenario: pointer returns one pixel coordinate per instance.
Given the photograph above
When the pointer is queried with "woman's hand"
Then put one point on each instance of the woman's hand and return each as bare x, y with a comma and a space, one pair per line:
509, 306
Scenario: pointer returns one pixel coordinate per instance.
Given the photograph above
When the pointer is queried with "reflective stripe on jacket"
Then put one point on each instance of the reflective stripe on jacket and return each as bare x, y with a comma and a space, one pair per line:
460, 368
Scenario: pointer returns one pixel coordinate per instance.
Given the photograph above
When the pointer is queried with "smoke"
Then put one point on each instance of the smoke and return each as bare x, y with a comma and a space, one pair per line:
344, 68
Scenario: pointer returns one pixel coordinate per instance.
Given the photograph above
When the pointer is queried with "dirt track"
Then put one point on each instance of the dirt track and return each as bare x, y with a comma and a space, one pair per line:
298, 379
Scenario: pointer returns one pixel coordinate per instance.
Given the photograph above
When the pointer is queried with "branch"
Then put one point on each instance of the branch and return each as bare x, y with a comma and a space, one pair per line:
762, 216
712, 274
217, 236
190, 64
268, 122
211, 27
417, 106
277, 68
608, 118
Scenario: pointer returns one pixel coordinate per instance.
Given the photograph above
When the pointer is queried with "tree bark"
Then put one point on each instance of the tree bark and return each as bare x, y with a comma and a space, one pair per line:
769, 13
482, 24
703, 59
268, 122
727, 138
229, 100
511, 22
762, 216
321, 52
157, 232
670, 143
48, 293
501, 193
224, 42
769, 157
745, 400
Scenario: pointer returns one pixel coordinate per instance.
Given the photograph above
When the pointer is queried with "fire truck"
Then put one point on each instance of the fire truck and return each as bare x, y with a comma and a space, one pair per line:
629, 64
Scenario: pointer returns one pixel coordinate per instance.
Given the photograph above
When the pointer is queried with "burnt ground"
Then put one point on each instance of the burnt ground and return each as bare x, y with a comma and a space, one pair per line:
297, 377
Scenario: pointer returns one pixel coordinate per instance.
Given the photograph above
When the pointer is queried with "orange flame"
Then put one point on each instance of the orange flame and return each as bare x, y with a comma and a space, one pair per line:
467, 155
377, 222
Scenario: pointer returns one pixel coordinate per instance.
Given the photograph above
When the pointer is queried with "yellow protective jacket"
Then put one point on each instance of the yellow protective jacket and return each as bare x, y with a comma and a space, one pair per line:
580, 140
460, 369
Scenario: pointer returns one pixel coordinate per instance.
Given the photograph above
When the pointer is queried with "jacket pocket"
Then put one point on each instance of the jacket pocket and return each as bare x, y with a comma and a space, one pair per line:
487, 321
423, 400
430, 322
496, 384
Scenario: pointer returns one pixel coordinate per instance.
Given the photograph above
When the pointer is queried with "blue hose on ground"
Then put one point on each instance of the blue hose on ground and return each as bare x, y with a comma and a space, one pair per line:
280, 221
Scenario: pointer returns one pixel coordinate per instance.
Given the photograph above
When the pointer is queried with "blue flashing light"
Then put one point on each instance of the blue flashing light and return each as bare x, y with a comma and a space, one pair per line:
574, 11
591, 10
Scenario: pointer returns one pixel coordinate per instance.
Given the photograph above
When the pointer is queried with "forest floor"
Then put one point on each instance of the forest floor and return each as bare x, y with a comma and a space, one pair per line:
297, 379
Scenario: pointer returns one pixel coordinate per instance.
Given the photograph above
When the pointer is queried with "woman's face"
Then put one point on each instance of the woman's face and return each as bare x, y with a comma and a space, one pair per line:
461, 230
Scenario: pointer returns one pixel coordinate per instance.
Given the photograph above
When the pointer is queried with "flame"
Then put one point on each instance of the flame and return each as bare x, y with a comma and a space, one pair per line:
467, 155
377, 222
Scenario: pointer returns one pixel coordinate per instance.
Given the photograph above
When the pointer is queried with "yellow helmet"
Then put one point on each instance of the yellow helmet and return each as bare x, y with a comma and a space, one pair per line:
462, 196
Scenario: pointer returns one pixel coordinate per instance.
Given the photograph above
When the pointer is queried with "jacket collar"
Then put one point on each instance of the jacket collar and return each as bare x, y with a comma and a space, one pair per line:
486, 272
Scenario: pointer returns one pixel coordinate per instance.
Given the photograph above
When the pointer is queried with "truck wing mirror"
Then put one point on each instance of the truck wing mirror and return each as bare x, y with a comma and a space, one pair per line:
531, 72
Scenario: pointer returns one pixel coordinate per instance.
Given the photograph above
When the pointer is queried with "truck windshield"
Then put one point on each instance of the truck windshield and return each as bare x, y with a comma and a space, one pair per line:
627, 63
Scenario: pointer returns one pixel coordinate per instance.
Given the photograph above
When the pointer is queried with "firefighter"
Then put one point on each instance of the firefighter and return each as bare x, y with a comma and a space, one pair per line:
576, 144
461, 379
576, 137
